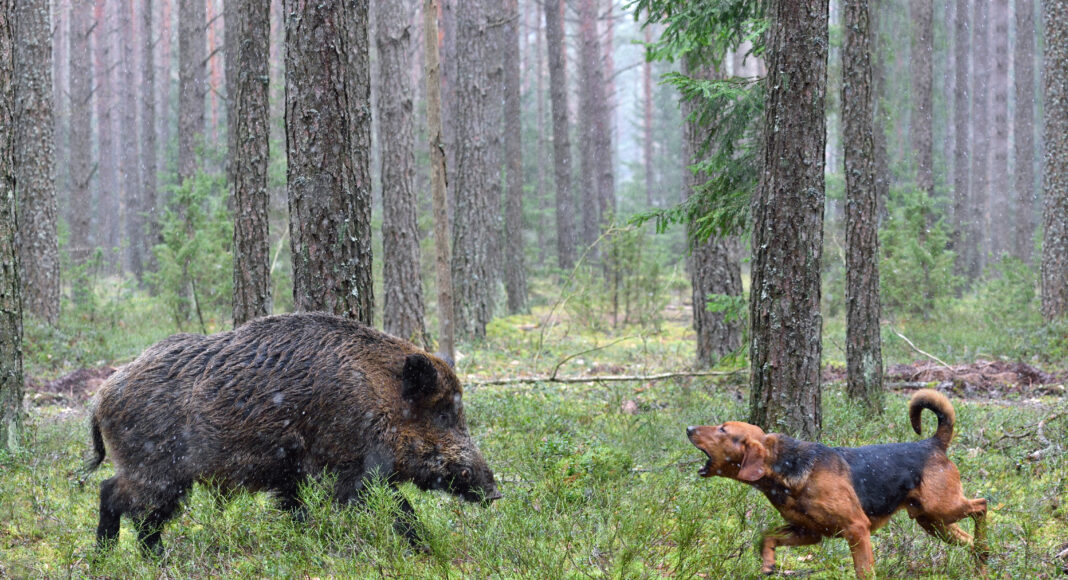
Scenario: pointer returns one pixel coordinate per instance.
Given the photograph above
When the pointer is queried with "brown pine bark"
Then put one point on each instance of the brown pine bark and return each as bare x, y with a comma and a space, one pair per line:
34, 151
863, 344
922, 15
1000, 195
784, 311
105, 65
515, 280
402, 305
11, 380
328, 144
442, 258
248, 27
565, 226
478, 122
590, 99
1055, 177
192, 84
129, 158
1024, 130
139, 240
81, 100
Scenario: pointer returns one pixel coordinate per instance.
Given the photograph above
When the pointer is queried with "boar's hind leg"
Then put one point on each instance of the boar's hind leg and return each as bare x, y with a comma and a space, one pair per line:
150, 524
111, 508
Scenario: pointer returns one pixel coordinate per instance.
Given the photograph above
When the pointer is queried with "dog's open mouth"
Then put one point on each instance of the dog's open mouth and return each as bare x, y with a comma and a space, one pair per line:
706, 469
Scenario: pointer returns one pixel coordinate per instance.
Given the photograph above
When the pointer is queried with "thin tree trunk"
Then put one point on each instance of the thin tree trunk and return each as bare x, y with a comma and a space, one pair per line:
922, 14
590, 98
34, 151
105, 65
138, 239
863, 344
129, 161
1000, 195
442, 259
1024, 130
402, 313
328, 146
81, 100
11, 380
248, 28
1055, 215
980, 186
964, 214
565, 226
192, 83
647, 118
606, 176
515, 280
784, 313
61, 37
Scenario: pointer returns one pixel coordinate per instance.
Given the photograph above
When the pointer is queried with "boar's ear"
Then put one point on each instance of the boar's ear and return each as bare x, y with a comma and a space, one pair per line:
419, 377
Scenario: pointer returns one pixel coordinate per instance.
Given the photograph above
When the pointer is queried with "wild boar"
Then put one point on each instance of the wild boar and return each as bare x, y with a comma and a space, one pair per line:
272, 404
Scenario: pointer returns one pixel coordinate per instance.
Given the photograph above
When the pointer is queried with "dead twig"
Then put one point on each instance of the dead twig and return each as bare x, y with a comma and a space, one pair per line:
917, 349
603, 378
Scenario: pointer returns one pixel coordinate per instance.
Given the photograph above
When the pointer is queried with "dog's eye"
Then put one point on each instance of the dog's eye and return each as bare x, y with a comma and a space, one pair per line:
722, 429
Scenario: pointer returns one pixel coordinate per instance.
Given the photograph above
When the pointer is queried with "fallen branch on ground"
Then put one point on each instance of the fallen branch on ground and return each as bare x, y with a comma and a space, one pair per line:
603, 378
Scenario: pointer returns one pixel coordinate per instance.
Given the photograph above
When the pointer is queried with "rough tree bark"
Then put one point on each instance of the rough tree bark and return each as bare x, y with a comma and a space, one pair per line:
105, 65
128, 151
565, 225
328, 143
964, 232
138, 239
11, 381
863, 344
402, 301
515, 280
1024, 130
784, 311
478, 123
81, 99
980, 166
192, 84
34, 150
1055, 214
922, 15
248, 28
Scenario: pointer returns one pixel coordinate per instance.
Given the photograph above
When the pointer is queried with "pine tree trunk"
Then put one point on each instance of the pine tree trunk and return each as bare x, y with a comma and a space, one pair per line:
328, 145
192, 84
248, 28
964, 214
784, 312
106, 202
34, 151
81, 100
442, 259
590, 98
863, 344
922, 14
11, 380
647, 120
402, 311
1024, 130
1000, 195
129, 159
565, 226
478, 122
515, 281
1055, 215
138, 239
980, 166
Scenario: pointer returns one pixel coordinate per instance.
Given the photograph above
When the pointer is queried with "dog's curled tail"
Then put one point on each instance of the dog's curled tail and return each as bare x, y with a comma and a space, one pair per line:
942, 408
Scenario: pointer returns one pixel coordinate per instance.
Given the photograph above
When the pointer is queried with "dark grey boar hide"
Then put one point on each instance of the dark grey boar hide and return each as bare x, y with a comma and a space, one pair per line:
268, 406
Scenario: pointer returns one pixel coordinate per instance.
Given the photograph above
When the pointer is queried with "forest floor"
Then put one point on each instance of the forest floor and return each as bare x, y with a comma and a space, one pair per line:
597, 476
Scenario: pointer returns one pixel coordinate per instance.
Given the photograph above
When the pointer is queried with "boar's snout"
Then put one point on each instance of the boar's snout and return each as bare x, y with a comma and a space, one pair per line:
474, 483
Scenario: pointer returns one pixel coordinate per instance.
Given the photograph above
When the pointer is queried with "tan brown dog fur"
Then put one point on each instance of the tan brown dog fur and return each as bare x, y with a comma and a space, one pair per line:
848, 492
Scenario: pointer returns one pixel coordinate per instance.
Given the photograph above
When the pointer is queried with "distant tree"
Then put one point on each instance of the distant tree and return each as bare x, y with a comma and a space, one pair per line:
591, 100
137, 237
106, 161
34, 150
863, 345
1024, 129
515, 281
565, 226
402, 303
1001, 196
784, 312
192, 84
979, 190
922, 14
478, 123
129, 159
965, 235
81, 116
442, 260
10, 295
1055, 214
328, 145
248, 28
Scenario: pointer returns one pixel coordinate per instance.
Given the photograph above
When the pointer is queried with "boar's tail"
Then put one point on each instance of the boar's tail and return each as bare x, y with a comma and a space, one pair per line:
99, 451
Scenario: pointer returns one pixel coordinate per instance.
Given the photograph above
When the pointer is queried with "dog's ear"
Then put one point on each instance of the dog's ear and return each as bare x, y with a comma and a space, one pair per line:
752, 467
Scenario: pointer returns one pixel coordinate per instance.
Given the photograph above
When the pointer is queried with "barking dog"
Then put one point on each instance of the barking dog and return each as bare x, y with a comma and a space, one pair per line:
848, 492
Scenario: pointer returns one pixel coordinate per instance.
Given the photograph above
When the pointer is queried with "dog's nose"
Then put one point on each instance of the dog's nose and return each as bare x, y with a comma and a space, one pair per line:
690, 430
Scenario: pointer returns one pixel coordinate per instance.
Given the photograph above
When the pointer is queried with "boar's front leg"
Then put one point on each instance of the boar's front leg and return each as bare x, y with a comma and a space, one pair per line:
350, 488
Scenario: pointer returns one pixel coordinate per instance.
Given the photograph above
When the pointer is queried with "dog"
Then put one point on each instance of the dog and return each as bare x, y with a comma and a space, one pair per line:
848, 492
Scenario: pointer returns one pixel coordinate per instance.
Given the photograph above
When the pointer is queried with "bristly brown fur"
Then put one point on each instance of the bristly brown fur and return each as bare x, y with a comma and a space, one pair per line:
849, 492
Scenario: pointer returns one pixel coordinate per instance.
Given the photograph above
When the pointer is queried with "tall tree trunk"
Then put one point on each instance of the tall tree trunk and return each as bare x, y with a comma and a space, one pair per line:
248, 28
478, 122
515, 280
214, 68
785, 345
565, 226
606, 177
980, 186
863, 345
34, 151
590, 98
1055, 214
328, 143
922, 14
402, 313
166, 89
543, 229
10, 298
442, 259
647, 119
878, 89
129, 159
964, 214
192, 84
138, 239
712, 263
1000, 194
1024, 130
81, 100
105, 63
61, 37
